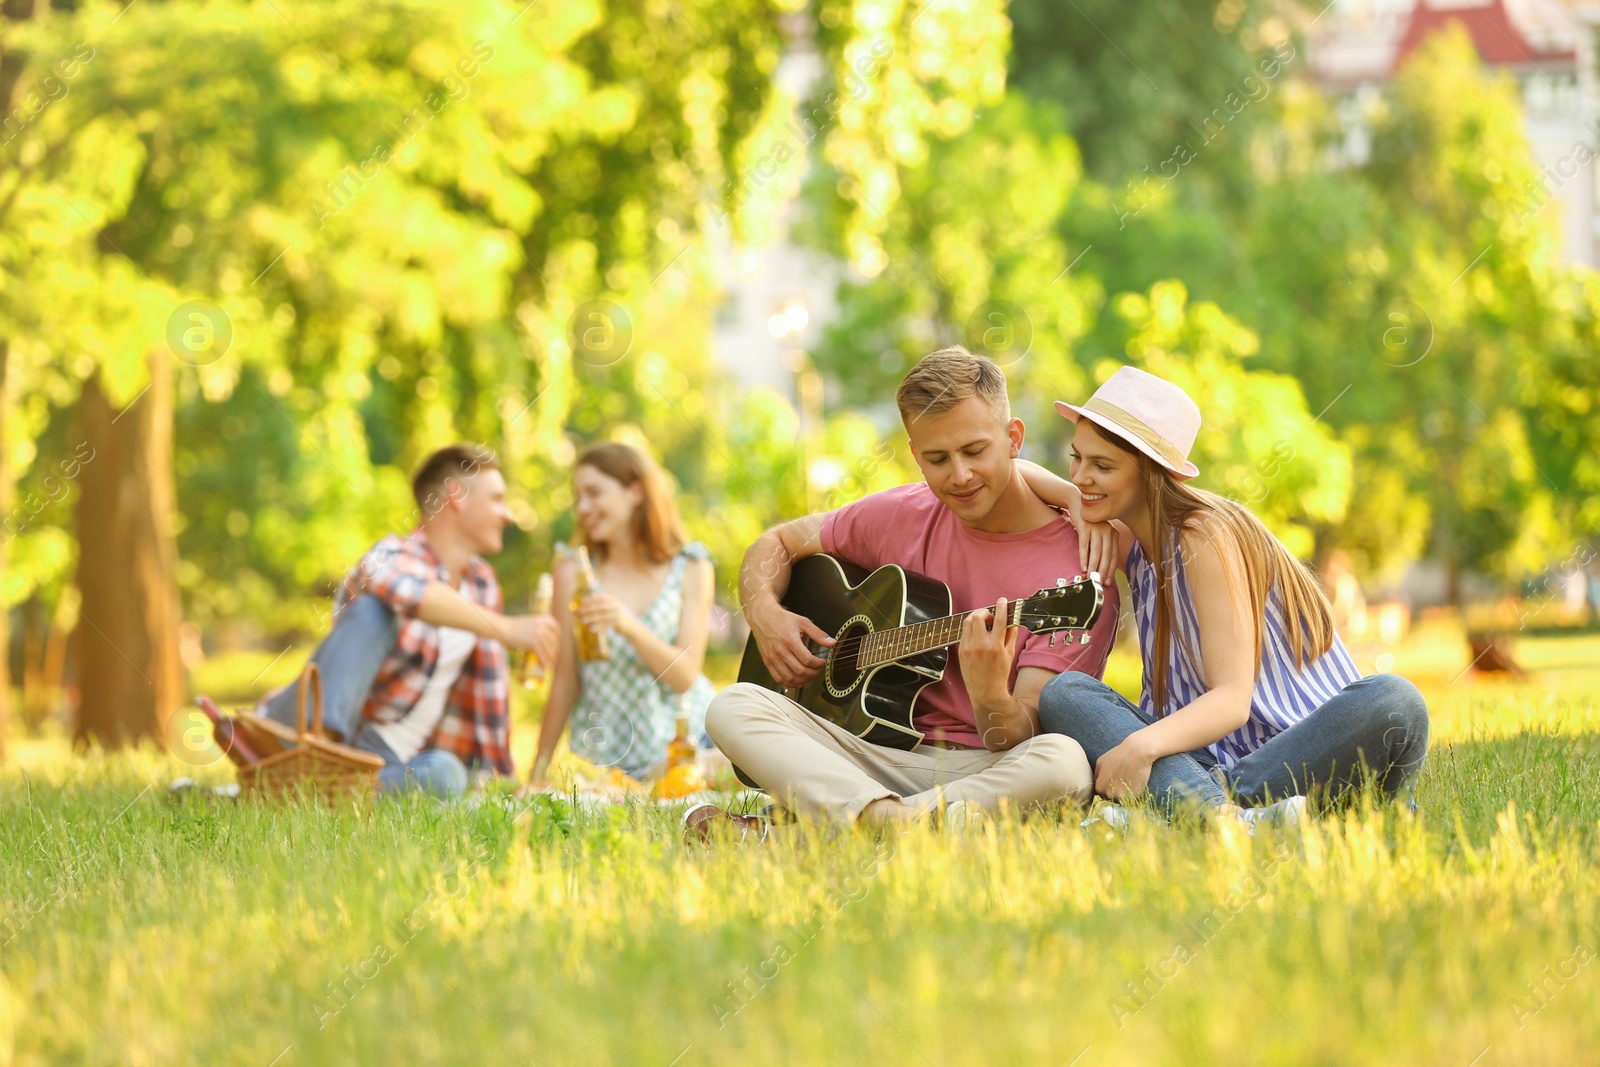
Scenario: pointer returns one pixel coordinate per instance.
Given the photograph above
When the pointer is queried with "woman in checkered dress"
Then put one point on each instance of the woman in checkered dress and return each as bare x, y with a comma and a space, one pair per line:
654, 599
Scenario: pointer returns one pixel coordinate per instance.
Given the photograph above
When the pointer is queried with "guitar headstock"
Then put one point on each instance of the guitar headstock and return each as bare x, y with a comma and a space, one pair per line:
1071, 605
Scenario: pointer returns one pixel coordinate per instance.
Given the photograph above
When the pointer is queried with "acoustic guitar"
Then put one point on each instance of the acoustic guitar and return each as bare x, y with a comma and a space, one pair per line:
892, 632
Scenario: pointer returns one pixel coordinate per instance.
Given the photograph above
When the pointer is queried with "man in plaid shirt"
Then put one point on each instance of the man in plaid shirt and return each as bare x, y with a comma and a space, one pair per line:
415, 668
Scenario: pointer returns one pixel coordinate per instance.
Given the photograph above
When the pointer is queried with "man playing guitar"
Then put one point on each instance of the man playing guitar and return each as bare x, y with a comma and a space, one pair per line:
977, 527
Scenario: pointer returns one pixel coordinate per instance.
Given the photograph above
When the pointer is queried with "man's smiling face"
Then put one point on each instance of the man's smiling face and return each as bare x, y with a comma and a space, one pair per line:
966, 456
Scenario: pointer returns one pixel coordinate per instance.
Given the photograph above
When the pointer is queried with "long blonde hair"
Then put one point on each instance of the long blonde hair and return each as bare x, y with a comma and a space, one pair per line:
1242, 539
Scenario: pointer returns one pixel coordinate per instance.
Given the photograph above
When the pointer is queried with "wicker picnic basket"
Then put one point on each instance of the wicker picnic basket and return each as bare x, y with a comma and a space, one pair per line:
304, 758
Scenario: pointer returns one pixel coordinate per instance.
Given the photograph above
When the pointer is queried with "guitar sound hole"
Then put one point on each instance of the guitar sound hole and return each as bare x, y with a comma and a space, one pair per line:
844, 669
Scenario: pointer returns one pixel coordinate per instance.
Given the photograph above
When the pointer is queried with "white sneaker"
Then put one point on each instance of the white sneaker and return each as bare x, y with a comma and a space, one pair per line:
961, 818
1111, 816
1282, 813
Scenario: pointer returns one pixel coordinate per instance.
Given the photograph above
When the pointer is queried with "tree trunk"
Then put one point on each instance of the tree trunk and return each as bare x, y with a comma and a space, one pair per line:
11, 65
5, 543
52, 670
1452, 580
1447, 542
129, 672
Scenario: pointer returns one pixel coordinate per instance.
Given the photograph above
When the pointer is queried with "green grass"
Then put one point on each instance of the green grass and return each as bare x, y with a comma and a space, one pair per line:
137, 931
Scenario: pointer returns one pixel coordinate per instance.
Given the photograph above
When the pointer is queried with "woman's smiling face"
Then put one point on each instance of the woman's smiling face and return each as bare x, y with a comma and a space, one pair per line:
1107, 476
604, 505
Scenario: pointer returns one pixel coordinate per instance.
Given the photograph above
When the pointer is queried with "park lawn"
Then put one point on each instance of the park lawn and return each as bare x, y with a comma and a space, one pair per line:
137, 931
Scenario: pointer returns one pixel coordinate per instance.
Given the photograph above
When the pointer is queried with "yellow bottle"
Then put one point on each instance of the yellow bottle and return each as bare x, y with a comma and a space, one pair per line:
591, 645
681, 752
531, 672
681, 776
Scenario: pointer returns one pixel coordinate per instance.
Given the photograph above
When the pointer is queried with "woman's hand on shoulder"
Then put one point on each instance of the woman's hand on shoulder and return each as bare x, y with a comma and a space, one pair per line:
1099, 548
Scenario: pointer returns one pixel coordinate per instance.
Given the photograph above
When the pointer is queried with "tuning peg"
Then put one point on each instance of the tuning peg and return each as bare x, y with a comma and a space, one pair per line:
1061, 583
1095, 575
1084, 640
1050, 642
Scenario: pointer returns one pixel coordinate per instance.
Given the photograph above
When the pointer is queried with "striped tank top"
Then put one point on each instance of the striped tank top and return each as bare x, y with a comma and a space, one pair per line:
1284, 693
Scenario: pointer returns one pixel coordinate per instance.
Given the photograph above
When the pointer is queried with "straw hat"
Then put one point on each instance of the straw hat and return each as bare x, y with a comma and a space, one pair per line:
1152, 414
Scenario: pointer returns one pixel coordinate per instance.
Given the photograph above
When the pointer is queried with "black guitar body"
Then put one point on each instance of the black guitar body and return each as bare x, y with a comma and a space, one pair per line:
876, 704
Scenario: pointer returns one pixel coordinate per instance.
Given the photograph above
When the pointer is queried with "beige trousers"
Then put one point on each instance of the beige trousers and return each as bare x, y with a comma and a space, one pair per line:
821, 771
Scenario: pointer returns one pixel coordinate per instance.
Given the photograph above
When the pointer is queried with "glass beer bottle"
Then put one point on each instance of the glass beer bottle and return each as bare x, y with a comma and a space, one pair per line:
681, 751
592, 645
531, 673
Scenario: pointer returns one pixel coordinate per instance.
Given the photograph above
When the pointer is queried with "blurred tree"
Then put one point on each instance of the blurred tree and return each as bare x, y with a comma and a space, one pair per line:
1563, 403
488, 221
1414, 297
178, 199
408, 243
902, 76
198, 204
1260, 445
987, 267
971, 263
1451, 167
29, 84
1136, 81
1420, 301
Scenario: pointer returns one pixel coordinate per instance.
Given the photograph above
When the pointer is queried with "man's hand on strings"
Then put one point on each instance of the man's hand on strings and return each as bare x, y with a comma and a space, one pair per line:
781, 636
987, 649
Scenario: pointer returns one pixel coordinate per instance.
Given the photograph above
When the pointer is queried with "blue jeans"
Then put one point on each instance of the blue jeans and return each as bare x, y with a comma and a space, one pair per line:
433, 771
1375, 730
349, 659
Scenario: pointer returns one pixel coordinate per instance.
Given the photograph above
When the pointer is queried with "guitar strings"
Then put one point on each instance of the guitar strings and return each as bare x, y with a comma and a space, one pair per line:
851, 644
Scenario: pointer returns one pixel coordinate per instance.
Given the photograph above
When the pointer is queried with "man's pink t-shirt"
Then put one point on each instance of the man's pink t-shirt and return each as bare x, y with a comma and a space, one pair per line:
908, 526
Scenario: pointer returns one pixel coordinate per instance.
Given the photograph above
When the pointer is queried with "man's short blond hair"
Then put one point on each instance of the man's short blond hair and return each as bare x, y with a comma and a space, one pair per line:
945, 378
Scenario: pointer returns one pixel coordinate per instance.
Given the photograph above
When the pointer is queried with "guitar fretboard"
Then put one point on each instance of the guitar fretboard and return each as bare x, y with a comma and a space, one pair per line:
886, 646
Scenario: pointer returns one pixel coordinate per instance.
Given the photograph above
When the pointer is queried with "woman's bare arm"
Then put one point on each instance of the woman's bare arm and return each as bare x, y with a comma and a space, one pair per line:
1052, 488
1228, 639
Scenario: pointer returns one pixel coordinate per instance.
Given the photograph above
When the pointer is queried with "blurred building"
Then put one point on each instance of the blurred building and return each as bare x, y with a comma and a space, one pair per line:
1548, 46
777, 298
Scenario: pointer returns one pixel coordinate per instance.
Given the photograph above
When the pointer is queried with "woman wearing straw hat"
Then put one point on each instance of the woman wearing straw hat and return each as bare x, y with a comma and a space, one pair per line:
1249, 696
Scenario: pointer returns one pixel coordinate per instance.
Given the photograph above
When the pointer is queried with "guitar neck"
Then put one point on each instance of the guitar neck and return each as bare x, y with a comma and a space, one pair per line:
886, 646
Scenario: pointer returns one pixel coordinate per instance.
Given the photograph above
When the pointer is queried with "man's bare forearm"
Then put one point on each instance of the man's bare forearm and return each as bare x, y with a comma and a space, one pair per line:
1003, 722
764, 574
1007, 717
444, 606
